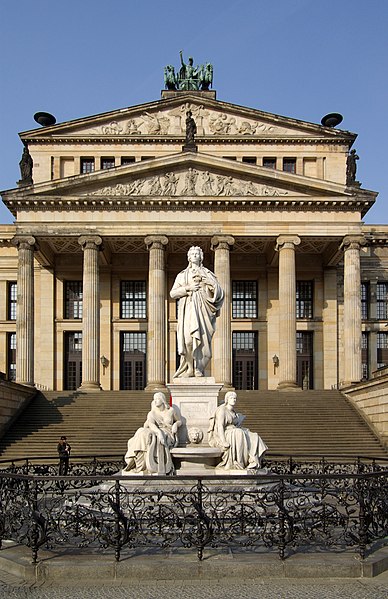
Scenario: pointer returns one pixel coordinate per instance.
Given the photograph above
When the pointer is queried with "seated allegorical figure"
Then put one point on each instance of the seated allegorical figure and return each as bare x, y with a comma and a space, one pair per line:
241, 448
149, 449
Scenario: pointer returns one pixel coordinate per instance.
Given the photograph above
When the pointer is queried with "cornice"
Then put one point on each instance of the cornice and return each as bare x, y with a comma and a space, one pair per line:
200, 140
199, 203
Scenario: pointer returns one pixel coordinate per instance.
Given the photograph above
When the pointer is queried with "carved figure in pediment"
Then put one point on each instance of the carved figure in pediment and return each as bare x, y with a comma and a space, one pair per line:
230, 187
220, 185
156, 125
221, 124
207, 184
171, 181
190, 182
156, 187
132, 128
247, 128
251, 189
113, 128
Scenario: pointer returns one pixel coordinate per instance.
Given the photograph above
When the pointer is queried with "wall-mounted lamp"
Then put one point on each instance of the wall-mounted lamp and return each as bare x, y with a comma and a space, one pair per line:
275, 360
104, 362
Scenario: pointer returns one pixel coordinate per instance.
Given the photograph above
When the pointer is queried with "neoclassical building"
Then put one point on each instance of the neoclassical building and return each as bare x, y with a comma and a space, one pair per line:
114, 201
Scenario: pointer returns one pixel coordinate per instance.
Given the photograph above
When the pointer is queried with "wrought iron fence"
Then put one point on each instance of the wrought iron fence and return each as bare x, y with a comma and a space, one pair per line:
315, 503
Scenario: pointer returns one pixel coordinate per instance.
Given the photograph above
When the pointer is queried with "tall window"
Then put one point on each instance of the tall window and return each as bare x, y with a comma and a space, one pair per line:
269, 162
304, 299
365, 300
244, 299
12, 299
382, 350
133, 302
73, 299
87, 165
364, 355
133, 360
289, 165
107, 163
11, 356
382, 301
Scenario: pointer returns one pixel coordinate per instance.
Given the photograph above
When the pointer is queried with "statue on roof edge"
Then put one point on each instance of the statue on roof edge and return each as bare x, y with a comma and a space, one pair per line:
189, 77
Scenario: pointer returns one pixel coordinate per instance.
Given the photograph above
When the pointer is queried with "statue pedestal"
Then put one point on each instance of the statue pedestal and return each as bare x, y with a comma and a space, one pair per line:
196, 400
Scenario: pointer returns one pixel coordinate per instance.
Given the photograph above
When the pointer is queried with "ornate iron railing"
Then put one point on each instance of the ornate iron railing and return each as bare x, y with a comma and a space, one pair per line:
315, 503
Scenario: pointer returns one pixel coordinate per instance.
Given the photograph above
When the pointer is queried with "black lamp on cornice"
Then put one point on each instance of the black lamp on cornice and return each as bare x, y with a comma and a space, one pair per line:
45, 119
332, 119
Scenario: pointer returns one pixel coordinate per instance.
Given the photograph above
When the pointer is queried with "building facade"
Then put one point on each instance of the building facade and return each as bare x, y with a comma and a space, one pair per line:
114, 201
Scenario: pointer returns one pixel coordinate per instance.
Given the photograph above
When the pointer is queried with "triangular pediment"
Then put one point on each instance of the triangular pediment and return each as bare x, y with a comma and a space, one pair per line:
214, 119
187, 174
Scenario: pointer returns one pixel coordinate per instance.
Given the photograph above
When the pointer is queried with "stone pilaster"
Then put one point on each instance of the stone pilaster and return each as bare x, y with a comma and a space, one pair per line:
156, 337
25, 311
287, 311
91, 313
352, 308
222, 340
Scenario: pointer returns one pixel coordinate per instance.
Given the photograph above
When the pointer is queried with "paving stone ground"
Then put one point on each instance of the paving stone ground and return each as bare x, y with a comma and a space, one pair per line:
265, 588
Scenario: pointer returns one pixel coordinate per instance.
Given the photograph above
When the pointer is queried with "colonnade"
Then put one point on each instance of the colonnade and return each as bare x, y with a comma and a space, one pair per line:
156, 350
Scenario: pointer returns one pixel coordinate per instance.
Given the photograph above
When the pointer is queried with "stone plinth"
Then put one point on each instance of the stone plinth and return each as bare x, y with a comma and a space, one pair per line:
196, 459
196, 400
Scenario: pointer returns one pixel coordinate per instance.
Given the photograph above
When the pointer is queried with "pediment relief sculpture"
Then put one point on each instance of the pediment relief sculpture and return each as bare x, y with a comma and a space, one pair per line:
189, 183
172, 122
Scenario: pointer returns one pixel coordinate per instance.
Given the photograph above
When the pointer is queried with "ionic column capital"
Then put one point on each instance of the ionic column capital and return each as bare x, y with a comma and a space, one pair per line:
222, 242
353, 242
24, 242
156, 242
90, 242
287, 242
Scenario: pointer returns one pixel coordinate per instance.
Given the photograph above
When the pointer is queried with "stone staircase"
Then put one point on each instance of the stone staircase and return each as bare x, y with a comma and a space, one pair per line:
100, 423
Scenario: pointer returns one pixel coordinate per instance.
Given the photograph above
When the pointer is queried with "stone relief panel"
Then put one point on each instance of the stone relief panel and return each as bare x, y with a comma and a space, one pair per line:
172, 122
189, 183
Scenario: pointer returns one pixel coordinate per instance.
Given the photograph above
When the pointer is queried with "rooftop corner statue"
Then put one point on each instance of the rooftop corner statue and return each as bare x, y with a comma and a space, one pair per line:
189, 77
200, 300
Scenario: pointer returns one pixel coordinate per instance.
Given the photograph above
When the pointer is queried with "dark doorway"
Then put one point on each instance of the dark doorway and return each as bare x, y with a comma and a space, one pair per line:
133, 361
73, 360
245, 360
304, 360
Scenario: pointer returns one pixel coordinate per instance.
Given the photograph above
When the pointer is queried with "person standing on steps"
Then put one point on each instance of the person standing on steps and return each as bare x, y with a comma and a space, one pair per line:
63, 449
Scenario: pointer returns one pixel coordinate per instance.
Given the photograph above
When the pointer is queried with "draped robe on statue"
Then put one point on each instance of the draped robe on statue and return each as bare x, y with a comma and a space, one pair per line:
197, 312
245, 448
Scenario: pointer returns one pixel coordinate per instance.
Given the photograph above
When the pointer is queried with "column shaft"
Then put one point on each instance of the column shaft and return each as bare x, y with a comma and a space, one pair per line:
25, 311
156, 337
352, 309
91, 314
222, 340
287, 311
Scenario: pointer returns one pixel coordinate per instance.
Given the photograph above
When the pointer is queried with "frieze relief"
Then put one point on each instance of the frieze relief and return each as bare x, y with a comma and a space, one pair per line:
189, 183
172, 122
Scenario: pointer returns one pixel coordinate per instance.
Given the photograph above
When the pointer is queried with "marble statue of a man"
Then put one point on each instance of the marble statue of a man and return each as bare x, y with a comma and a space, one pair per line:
200, 300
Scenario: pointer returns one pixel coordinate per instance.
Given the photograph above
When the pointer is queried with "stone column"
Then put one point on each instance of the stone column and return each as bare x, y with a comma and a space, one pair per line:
25, 311
222, 340
156, 337
91, 314
287, 311
352, 308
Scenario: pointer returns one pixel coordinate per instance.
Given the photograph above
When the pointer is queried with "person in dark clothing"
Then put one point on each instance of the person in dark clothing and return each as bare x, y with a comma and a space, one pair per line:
64, 456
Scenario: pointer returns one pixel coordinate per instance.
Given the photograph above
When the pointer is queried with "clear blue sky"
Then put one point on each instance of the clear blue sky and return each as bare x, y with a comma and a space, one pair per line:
298, 58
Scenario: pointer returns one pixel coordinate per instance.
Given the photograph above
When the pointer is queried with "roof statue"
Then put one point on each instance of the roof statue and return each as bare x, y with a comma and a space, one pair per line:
189, 77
